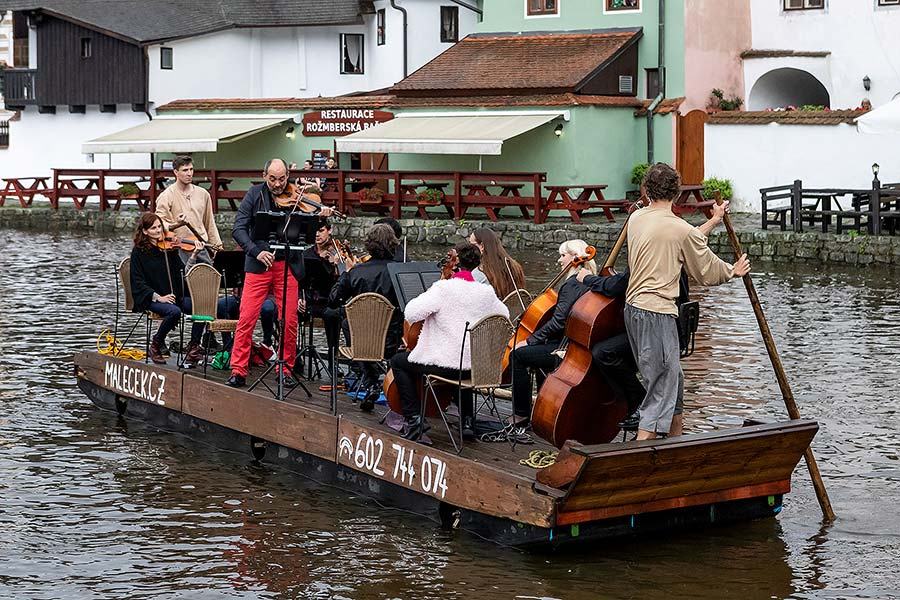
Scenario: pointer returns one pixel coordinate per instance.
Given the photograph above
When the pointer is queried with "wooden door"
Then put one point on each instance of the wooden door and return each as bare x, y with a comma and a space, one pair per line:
689, 158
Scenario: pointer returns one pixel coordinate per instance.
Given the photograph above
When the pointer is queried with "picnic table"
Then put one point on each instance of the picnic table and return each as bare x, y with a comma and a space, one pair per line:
16, 187
691, 200
559, 198
70, 188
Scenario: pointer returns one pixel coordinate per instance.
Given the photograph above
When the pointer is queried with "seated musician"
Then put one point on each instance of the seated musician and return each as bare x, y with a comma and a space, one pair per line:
445, 308
265, 272
156, 285
537, 352
371, 276
321, 272
400, 252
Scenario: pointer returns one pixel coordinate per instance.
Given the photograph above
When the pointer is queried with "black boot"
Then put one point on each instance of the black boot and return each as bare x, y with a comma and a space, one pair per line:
414, 427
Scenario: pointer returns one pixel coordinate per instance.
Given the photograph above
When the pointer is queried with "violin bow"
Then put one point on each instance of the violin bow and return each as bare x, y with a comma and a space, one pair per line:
199, 237
513, 281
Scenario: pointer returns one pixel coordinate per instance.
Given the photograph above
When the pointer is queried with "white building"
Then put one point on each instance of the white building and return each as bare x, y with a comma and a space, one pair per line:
157, 52
832, 53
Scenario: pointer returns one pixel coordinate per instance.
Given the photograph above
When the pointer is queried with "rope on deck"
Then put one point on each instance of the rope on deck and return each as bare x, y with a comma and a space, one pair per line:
539, 459
114, 347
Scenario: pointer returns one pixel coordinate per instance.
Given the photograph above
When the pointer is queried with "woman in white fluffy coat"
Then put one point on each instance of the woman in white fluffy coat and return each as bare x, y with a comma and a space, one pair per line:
444, 308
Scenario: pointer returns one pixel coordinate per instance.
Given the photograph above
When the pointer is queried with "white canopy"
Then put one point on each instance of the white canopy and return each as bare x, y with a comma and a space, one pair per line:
884, 119
474, 133
181, 134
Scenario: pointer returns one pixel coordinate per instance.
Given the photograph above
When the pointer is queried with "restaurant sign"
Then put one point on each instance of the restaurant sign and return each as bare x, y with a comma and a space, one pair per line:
342, 121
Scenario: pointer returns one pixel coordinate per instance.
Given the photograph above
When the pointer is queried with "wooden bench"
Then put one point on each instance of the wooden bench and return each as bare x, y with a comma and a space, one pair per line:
559, 199
17, 188
691, 200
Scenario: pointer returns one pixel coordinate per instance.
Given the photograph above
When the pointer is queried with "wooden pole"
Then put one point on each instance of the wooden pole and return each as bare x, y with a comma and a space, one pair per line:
786, 393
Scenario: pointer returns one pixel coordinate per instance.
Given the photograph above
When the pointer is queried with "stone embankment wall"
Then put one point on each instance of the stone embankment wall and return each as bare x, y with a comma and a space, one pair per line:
761, 245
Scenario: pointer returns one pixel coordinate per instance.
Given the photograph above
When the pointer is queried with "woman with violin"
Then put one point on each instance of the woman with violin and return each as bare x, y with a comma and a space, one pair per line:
538, 351
371, 276
444, 309
497, 267
156, 285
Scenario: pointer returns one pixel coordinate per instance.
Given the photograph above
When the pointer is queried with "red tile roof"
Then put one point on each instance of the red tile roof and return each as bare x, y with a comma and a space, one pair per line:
666, 106
275, 104
546, 61
785, 117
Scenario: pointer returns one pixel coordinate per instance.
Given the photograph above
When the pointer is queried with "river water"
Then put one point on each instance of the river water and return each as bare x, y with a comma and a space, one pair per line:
94, 507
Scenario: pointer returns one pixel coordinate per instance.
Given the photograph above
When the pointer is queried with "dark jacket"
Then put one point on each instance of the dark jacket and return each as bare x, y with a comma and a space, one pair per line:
319, 277
553, 330
370, 276
149, 275
258, 199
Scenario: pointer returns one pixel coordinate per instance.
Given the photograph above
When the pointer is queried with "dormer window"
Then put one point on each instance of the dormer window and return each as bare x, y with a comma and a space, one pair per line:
542, 7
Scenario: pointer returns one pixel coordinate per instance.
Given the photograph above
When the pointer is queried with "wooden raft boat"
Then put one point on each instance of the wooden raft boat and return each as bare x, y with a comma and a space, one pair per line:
615, 489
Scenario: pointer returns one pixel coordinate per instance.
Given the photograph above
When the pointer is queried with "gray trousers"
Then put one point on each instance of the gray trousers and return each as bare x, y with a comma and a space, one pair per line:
654, 341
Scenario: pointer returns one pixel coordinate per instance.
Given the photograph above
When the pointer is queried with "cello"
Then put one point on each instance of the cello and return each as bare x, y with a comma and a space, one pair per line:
411, 333
541, 309
575, 403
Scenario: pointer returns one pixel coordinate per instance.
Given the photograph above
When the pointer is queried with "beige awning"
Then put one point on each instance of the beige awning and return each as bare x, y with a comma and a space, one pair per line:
179, 135
478, 133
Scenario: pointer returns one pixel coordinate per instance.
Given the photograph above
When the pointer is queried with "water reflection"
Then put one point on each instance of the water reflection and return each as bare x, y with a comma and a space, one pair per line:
92, 506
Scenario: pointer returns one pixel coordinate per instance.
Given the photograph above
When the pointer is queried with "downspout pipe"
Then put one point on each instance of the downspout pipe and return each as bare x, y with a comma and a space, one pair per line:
661, 71
405, 37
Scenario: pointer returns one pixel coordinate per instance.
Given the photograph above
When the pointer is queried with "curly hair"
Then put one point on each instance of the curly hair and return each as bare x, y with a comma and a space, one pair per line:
662, 182
381, 242
469, 255
141, 239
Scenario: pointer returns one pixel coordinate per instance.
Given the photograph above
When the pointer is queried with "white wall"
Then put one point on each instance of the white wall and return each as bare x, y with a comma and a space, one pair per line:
38, 143
822, 156
299, 62
861, 37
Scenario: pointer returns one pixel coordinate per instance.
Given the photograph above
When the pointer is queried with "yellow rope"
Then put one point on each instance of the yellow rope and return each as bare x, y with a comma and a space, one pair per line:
114, 347
539, 459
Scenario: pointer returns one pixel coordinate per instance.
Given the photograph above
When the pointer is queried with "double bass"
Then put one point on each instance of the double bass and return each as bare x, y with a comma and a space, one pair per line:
541, 308
411, 333
575, 403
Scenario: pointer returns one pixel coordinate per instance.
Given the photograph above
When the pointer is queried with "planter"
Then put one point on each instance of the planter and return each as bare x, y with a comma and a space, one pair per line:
430, 197
370, 196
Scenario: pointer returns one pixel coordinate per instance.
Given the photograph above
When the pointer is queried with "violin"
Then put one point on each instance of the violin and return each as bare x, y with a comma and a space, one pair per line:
449, 265
296, 196
541, 308
170, 242
197, 236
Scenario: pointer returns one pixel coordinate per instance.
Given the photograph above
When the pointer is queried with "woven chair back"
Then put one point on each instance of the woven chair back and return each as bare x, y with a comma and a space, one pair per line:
488, 339
369, 317
203, 282
124, 270
513, 303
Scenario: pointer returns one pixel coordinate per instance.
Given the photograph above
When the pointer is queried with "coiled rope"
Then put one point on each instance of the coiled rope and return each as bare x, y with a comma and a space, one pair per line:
115, 348
539, 459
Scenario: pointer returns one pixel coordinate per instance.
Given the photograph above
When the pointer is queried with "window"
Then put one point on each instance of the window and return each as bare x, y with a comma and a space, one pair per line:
379, 27
613, 5
86, 49
352, 54
652, 83
803, 4
165, 59
449, 24
888, 2
541, 7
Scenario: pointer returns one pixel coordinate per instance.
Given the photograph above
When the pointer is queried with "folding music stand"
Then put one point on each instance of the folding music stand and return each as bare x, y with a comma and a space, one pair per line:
412, 278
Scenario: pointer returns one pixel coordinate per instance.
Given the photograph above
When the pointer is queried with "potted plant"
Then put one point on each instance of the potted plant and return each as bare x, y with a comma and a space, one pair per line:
637, 177
713, 185
430, 197
718, 102
129, 190
371, 195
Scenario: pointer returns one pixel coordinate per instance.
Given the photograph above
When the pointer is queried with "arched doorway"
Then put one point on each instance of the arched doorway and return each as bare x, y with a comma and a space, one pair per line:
787, 86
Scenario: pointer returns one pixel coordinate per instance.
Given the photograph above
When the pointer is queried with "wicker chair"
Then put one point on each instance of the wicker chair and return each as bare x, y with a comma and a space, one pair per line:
487, 339
124, 280
514, 301
203, 282
369, 318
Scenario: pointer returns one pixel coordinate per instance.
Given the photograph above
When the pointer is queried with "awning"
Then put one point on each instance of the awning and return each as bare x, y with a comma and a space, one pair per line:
477, 133
179, 135
884, 119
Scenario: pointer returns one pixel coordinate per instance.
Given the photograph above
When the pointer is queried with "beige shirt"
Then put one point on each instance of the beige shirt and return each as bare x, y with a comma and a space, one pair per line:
659, 243
196, 208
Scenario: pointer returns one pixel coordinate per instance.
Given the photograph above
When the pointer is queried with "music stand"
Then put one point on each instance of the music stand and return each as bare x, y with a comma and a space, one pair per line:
412, 278
309, 353
291, 232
